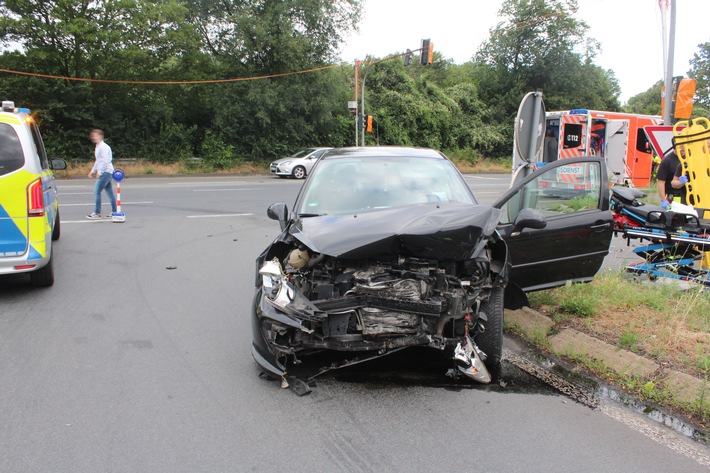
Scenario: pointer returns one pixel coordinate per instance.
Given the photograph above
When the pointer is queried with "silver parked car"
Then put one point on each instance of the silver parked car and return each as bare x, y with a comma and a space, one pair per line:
299, 165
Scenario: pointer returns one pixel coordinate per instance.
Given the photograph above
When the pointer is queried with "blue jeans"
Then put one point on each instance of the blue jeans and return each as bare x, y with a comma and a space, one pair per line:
104, 182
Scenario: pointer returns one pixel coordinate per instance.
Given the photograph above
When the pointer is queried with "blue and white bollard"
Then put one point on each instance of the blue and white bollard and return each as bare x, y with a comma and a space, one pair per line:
118, 215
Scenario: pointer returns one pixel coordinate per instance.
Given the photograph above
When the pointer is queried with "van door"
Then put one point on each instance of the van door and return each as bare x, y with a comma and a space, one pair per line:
13, 194
617, 138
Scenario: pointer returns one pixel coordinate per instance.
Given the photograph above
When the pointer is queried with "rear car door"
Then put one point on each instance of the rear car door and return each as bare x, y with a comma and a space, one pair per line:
579, 227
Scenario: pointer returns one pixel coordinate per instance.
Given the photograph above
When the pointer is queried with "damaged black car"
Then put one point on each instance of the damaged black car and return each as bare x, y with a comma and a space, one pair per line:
388, 248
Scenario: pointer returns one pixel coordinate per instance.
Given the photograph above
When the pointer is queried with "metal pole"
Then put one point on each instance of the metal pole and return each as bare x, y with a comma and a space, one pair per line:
357, 112
362, 107
668, 96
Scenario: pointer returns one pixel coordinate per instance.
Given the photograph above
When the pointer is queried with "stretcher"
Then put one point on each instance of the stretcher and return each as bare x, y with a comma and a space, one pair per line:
678, 243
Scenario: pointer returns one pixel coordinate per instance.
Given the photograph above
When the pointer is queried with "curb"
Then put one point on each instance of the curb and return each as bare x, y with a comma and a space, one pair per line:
539, 330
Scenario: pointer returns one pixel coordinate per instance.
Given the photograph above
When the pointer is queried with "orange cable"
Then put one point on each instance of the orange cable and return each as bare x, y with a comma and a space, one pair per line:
181, 82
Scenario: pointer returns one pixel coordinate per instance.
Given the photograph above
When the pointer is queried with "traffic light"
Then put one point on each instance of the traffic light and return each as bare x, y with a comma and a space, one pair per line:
408, 57
369, 124
427, 56
365, 119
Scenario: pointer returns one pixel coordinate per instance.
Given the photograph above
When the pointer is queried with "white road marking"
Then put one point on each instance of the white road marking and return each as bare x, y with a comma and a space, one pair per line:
122, 204
484, 178
88, 221
226, 190
219, 215
213, 183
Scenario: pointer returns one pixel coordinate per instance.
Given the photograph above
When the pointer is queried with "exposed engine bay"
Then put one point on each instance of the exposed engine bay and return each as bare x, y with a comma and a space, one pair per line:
378, 304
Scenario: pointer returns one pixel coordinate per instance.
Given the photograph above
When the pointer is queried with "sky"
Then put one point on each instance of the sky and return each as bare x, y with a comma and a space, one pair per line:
629, 32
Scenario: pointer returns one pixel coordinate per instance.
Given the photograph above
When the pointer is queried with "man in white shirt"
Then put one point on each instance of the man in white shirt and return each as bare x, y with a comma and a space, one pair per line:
103, 168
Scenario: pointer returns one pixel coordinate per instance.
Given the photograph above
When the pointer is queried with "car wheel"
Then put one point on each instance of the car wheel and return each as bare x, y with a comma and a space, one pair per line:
43, 277
57, 231
491, 341
299, 172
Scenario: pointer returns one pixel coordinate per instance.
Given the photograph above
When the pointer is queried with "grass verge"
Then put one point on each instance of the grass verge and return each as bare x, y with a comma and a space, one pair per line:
658, 321
147, 168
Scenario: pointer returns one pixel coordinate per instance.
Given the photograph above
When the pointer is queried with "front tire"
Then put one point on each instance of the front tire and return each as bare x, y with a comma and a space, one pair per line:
299, 172
491, 341
43, 277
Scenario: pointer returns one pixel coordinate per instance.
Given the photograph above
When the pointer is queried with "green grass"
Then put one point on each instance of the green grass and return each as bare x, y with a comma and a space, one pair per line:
629, 340
658, 319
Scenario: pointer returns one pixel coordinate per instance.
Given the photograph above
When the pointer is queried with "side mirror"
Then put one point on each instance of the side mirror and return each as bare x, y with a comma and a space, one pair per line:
58, 164
278, 211
528, 218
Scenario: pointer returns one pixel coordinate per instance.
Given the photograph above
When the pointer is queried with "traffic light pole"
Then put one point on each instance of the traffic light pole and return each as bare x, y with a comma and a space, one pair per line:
361, 113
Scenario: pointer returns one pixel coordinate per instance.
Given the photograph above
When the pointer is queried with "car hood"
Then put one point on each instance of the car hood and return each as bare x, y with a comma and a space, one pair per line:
448, 231
283, 160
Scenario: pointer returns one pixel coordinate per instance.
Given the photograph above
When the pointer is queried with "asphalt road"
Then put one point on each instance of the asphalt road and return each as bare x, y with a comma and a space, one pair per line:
138, 360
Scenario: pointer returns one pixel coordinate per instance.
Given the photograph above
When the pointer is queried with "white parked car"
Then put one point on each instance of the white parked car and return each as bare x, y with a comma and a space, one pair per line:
299, 165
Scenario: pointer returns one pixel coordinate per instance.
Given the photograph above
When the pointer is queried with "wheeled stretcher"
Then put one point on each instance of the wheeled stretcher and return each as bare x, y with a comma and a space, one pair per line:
679, 243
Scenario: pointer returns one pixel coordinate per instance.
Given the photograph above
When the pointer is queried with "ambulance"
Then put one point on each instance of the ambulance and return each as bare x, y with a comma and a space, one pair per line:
618, 137
29, 211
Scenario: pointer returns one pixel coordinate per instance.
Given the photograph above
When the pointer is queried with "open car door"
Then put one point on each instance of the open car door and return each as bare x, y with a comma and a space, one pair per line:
573, 197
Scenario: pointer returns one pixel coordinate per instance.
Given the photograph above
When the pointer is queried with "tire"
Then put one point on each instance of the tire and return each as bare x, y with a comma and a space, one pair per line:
43, 277
299, 172
57, 231
491, 341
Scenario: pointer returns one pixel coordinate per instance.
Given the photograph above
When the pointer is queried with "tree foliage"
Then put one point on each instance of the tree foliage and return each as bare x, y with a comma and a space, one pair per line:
541, 44
700, 71
647, 102
466, 108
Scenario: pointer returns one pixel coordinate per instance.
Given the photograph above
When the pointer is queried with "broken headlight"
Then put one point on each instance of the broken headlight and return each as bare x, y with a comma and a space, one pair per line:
277, 289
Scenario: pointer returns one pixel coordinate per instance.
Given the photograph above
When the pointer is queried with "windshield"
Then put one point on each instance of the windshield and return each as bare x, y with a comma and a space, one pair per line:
346, 185
303, 153
11, 156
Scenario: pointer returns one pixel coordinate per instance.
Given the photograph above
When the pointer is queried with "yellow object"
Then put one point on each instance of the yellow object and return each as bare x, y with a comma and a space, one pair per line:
28, 203
696, 162
705, 261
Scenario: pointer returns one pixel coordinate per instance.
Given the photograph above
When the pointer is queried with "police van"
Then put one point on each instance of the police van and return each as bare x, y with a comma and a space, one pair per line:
29, 211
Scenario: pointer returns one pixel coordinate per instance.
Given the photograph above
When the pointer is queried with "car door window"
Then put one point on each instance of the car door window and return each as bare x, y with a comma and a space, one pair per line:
561, 191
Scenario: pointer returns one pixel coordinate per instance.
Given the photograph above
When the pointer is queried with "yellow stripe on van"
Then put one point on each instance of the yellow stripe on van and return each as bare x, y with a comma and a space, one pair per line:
11, 119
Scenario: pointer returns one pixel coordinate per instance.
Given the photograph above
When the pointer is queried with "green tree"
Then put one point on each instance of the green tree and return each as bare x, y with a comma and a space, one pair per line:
541, 44
647, 102
700, 71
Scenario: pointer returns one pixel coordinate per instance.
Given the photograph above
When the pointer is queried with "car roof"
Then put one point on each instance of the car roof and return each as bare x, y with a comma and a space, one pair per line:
383, 151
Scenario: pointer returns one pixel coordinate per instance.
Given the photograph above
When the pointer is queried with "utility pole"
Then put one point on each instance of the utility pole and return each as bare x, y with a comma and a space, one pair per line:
668, 95
357, 112
362, 105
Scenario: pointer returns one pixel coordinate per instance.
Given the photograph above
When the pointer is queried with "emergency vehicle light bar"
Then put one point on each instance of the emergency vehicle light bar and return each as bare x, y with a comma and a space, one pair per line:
579, 111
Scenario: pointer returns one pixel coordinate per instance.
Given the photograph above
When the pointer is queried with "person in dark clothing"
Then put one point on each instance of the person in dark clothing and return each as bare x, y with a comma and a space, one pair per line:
666, 171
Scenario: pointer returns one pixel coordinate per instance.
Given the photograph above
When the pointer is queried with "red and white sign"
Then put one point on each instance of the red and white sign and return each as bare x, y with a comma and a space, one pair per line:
661, 137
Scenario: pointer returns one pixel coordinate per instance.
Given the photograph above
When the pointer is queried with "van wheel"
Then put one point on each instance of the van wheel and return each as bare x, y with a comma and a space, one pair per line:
57, 231
43, 277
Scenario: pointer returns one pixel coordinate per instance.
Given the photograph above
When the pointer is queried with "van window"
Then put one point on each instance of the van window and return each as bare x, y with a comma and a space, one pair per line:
11, 156
642, 143
39, 144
